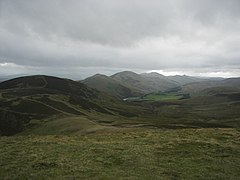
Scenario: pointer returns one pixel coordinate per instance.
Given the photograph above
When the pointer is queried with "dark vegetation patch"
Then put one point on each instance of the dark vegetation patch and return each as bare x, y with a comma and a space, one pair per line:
232, 96
26, 92
31, 107
236, 103
164, 103
10, 124
59, 105
123, 112
159, 96
174, 89
71, 87
44, 165
50, 84
24, 82
235, 96
86, 104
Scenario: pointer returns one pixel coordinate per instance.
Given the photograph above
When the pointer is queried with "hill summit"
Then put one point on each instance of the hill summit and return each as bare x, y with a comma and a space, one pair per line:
128, 84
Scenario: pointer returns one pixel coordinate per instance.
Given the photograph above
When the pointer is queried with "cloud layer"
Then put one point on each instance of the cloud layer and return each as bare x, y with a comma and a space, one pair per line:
77, 38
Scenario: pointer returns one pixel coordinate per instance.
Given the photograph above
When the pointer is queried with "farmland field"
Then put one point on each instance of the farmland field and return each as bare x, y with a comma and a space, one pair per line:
157, 97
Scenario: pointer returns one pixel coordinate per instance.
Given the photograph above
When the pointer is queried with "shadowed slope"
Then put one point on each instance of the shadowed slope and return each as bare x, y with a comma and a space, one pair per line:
111, 86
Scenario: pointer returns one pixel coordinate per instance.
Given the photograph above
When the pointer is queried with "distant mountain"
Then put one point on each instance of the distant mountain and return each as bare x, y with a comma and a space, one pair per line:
149, 82
110, 85
145, 83
127, 83
231, 84
181, 80
128, 78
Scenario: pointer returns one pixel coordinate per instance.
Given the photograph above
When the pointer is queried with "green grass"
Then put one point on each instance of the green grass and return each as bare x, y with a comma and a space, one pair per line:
161, 97
156, 97
65, 125
139, 154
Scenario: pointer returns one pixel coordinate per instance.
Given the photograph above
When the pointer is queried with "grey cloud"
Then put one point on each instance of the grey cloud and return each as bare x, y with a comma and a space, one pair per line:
107, 22
126, 34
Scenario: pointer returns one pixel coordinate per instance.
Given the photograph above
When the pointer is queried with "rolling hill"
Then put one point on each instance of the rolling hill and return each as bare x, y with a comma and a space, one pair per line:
181, 80
50, 105
153, 82
63, 129
129, 84
110, 85
198, 88
29, 99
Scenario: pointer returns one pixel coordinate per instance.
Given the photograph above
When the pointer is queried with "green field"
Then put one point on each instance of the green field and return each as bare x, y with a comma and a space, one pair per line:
162, 96
159, 96
128, 154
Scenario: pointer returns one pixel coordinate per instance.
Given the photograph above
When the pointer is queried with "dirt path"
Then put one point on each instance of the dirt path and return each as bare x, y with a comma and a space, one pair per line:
49, 106
17, 112
46, 83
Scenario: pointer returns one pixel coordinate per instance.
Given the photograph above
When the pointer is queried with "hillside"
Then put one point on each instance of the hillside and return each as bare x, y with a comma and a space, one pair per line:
177, 79
133, 154
197, 88
153, 82
110, 85
129, 84
50, 105
181, 80
145, 83
26, 100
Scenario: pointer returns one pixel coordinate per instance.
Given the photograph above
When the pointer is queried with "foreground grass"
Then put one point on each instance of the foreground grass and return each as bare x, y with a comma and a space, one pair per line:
152, 154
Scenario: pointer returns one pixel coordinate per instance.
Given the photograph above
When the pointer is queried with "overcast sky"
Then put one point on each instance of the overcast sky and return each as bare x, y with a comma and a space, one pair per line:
78, 38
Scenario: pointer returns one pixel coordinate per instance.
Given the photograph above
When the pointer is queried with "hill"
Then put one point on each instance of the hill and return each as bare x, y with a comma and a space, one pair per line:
67, 130
50, 105
145, 83
129, 84
197, 88
153, 82
31, 99
110, 85
181, 80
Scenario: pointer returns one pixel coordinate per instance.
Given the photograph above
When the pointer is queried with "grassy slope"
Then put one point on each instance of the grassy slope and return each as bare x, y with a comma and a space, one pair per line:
202, 111
59, 97
76, 138
207, 111
151, 154
39, 100
67, 125
156, 97
161, 97
144, 83
200, 88
110, 85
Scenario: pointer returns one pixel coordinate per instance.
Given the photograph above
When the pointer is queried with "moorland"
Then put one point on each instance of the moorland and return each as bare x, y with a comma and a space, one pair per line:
127, 125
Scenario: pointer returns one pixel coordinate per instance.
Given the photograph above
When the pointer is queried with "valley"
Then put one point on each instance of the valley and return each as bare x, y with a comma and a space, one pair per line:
120, 90
54, 127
